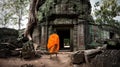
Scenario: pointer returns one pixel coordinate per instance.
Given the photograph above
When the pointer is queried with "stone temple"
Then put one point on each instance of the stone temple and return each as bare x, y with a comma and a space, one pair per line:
69, 18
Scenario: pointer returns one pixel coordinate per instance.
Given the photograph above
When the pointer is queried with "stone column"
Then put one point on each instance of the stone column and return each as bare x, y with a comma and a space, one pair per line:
75, 38
43, 37
87, 35
80, 37
36, 37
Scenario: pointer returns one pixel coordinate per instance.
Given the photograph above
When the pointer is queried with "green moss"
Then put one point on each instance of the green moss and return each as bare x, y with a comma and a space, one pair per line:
76, 6
44, 10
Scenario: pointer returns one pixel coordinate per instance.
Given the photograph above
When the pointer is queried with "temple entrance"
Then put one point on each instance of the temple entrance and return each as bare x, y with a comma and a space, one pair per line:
65, 38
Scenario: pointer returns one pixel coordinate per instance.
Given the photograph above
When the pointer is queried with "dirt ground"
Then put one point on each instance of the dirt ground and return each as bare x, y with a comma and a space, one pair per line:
63, 60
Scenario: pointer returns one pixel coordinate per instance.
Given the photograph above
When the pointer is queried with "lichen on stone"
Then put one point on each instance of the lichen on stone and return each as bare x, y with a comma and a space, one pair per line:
80, 7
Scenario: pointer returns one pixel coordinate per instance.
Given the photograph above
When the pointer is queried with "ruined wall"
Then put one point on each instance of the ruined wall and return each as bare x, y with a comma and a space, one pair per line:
65, 12
7, 34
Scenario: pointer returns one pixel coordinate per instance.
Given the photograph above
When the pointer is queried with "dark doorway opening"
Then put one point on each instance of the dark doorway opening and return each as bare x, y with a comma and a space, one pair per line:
112, 35
64, 35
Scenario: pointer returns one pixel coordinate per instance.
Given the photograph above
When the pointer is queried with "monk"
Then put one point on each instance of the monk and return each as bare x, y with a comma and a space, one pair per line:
53, 44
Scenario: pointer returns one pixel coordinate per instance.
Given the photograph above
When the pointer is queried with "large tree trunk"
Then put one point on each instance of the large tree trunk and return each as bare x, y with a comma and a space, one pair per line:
32, 31
32, 21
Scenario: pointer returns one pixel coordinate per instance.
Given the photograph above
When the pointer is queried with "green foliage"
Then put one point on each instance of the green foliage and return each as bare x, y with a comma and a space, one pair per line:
13, 10
28, 50
105, 12
44, 10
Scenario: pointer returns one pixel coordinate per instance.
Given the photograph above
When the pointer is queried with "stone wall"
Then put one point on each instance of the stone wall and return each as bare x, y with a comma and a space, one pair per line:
7, 34
66, 12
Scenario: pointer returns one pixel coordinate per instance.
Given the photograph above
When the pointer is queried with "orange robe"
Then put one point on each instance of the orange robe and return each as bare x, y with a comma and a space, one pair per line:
53, 43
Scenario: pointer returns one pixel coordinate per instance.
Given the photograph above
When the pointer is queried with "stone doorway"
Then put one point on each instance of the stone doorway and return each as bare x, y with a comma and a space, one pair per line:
65, 38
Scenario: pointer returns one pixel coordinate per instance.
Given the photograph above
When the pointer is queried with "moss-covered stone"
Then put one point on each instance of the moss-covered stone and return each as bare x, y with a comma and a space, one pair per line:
8, 34
28, 50
79, 7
